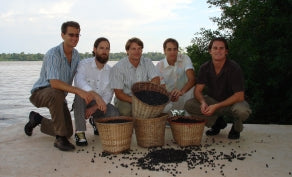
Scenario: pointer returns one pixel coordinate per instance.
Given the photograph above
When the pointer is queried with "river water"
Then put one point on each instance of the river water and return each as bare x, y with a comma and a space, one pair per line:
16, 80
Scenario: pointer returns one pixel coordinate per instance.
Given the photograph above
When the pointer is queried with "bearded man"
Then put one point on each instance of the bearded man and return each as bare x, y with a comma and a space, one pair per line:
93, 76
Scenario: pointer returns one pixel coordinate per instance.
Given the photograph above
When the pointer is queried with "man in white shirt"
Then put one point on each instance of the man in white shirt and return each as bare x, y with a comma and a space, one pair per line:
93, 76
177, 74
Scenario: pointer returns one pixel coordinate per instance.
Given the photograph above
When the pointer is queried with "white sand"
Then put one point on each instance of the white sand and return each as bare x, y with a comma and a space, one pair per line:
268, 145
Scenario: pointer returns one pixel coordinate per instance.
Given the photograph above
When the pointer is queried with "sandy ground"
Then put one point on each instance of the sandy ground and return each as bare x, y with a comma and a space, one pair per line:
267, 150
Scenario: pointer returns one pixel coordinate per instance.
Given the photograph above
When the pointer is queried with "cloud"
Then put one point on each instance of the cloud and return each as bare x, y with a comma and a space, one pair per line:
34, 26
154, 10
14, 11
57, 9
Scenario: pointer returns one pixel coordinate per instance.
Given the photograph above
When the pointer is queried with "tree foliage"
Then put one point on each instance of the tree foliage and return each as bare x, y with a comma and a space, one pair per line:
259, 36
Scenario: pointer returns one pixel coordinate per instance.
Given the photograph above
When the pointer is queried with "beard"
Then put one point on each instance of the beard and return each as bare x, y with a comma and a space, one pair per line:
101, 58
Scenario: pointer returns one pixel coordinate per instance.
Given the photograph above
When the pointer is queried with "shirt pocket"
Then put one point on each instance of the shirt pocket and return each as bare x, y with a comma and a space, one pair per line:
92, 83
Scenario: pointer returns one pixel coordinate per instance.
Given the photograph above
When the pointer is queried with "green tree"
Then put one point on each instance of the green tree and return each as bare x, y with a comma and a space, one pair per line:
259, 38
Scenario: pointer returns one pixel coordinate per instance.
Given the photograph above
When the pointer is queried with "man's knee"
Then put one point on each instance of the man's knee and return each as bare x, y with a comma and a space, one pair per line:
57, 97
192, 106
241, 110
125, 112
112, 111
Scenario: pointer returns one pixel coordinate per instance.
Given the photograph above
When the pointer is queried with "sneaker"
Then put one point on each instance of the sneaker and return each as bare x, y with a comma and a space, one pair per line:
233, 134
91, 121
63, 144
215, 130
80, 139
32, 123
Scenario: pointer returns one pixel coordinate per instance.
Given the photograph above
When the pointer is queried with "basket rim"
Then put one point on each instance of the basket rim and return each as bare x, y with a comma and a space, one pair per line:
105, 119
154, 85
202, 120
149, 105
162, 115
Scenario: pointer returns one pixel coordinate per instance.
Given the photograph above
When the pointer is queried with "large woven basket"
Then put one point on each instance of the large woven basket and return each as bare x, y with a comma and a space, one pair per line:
150, 132
115, 137
187, 134
144, 110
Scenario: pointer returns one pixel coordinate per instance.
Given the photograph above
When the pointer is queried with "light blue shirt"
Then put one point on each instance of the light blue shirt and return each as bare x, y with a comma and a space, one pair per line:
124, 74
56, 66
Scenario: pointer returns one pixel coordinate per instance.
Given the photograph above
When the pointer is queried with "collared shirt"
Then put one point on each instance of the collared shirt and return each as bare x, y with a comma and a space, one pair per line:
56, 66
90, 78
124, 74
174, 77
229, 81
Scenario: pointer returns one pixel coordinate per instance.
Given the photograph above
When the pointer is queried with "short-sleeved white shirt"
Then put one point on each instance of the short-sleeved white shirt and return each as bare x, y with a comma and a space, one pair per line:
174, 77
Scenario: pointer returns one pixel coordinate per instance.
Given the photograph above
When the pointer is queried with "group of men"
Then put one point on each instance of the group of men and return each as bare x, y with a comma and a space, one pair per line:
95, 83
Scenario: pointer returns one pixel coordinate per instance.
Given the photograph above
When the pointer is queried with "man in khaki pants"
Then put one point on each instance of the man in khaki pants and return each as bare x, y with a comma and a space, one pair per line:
58, 69
224, 81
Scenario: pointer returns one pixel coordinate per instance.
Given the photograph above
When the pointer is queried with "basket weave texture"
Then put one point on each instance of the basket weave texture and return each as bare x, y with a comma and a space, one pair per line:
187, 134
115, 137
150, 132
144, 110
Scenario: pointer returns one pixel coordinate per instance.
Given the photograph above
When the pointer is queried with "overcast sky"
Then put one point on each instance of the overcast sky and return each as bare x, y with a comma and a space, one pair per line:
33, 26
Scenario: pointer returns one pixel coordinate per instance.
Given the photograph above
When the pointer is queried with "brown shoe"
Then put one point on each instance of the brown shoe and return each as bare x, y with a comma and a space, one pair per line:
63, 144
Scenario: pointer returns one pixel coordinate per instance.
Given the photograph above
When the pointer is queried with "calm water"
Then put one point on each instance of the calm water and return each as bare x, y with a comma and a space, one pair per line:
16, 80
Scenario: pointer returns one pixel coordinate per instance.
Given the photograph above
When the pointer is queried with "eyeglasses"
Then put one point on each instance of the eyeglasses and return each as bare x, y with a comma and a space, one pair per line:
72, 35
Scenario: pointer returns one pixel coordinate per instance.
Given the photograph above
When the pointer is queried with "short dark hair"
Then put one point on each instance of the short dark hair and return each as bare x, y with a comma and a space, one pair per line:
134, 40
71, 24
170, 40
222, 39
97, 41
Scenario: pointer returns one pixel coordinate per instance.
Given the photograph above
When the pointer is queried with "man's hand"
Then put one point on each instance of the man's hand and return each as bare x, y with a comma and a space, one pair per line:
101, 105
175, 94
208, 110
90, 111
86, 96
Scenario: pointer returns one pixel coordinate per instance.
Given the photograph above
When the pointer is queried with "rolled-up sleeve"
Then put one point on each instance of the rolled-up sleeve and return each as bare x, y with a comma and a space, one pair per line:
188, 63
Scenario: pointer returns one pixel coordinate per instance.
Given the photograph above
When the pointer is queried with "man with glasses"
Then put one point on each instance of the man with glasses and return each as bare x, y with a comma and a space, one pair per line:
128, 71
56, 77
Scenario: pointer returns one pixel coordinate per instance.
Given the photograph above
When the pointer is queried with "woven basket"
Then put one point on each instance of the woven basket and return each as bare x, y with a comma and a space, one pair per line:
187, 134
144, 110
150, 132
115, 137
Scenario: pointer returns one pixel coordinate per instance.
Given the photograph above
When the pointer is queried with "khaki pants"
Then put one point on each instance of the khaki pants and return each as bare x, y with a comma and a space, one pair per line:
239, 111
54, 100
124, 108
